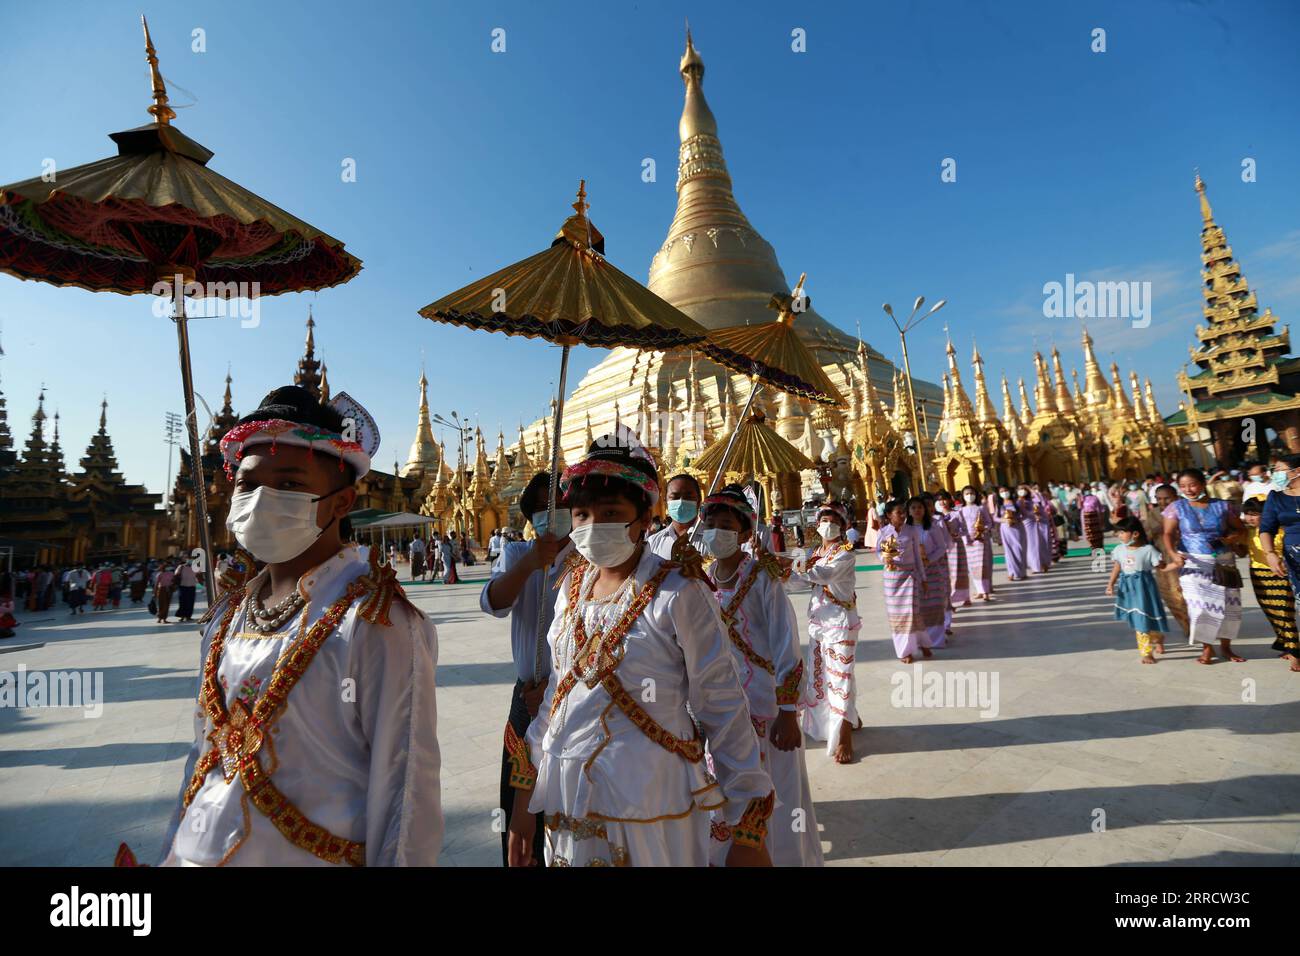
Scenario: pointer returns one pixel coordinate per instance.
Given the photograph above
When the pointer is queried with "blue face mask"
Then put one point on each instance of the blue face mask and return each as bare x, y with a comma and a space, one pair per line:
683, 510
563, 523
1281, 479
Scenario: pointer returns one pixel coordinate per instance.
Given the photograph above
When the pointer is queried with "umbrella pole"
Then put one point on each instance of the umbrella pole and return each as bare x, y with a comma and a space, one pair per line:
754, 388
192, 428
540, 648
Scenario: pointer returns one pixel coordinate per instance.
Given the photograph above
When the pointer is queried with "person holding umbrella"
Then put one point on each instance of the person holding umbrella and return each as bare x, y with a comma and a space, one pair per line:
641, 666
525, 575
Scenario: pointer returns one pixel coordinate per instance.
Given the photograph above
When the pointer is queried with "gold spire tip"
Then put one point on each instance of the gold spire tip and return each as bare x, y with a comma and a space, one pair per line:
162, 113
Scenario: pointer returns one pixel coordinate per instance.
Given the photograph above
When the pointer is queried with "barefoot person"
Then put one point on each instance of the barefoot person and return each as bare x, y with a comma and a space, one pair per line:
830, 698
315, 738
1199, 532
978, 543
516, 588
934, 598
901, 547
640, 667
764, 639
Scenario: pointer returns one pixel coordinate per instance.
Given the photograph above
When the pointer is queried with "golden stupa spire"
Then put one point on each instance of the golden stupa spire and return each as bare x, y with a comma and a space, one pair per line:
161, 111
1098, 392
984, 410
1043, 396
1064, 401
324, 383
1026, 410
423, 455
1139, 405
1119, 398
946, 414
1011, 418
1078, 392
1153, 413
1207, 214
961, 408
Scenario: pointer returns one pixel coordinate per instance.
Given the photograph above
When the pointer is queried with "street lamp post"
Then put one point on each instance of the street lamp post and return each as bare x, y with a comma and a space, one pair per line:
172, 429
461, 427
911, 323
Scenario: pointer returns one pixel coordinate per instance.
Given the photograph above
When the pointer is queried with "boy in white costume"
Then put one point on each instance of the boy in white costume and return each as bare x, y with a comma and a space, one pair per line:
315, 730
830, 698
764, 637
613, 759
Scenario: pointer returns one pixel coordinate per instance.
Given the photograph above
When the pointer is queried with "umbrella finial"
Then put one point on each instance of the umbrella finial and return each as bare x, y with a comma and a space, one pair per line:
160, 110
581, 206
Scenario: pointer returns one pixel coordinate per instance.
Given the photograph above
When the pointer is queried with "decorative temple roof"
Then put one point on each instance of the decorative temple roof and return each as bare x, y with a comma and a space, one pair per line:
308, 374
1240, 350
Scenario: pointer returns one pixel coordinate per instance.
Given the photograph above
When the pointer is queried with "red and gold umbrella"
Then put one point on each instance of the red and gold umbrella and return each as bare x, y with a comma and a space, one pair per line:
155, 217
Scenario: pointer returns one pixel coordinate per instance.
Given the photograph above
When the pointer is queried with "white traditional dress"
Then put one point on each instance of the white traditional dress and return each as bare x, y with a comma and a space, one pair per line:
830, 696
764, 638
316, 744
614, 758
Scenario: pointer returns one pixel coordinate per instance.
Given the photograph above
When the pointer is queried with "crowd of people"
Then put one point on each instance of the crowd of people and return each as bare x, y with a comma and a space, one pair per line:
101, 587
662, 697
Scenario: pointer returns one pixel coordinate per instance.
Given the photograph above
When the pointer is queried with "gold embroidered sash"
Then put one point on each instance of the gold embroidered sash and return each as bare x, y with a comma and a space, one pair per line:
237, 735
604, 652
732, 611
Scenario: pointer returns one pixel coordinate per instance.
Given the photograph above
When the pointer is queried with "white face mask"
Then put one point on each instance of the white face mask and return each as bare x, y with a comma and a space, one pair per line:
563, 523
829, 530
1006, 496
275, 526
605, 545
970, 497
719, 542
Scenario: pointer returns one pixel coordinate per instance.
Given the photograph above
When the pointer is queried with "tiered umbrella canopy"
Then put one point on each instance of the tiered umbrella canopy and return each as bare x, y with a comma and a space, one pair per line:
155, 216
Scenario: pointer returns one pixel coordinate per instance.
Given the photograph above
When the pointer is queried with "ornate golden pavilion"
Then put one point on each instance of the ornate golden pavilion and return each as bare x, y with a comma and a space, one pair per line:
1244, 373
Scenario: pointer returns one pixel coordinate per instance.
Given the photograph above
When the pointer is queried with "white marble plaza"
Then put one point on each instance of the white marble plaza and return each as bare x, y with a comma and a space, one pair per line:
1170, 758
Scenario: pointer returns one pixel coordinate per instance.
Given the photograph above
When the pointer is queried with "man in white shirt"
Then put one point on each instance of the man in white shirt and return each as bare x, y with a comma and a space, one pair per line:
77, 580
416, 552
683, 506
514, 590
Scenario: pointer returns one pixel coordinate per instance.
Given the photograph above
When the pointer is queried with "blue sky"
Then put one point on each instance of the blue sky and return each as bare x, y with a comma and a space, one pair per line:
1068, 161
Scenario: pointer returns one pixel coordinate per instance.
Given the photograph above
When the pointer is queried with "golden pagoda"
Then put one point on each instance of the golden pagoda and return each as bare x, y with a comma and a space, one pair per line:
876, 447
1052, 440
962, 449
718, 269
1244, 371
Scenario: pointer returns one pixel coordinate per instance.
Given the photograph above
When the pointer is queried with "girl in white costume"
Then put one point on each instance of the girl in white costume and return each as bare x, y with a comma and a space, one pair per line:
830, 698
613, 759
764, 639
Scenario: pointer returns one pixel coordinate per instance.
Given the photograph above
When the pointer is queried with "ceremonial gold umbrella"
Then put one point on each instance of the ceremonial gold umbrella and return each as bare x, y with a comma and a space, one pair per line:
776, 356
757, 450
571, 295
156, 219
